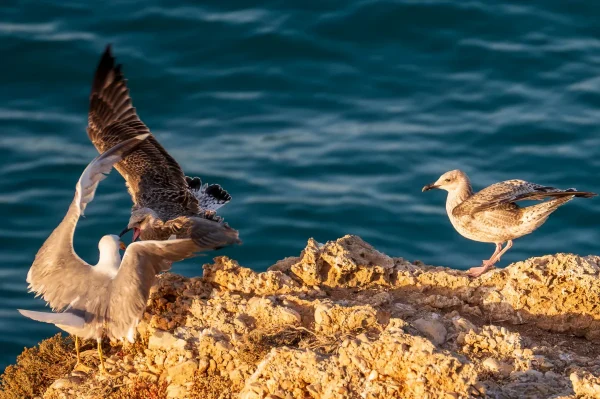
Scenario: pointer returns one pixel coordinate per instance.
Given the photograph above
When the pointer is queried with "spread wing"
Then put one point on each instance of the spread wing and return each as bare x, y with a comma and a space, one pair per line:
58, 274
503, 195
151, 174
130, 289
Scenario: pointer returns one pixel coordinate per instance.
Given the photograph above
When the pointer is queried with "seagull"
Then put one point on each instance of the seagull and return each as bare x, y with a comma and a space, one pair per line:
493, 215
166, 203
107, 299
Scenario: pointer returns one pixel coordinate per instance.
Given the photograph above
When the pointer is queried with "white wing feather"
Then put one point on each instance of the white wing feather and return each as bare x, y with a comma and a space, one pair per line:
99, 168
63, 319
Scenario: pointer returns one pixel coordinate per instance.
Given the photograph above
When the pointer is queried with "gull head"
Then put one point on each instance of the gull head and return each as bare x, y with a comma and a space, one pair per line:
449, 181
139, 220
110, 244
110, 257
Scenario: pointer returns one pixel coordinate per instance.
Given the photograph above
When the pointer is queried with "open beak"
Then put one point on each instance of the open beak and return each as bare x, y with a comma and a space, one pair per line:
136, 234
429, 187
122, 245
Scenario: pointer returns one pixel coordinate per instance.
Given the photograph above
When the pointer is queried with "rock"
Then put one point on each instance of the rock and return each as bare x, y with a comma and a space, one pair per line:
462, 324
159, 359
68, 382
161, 340
147, 375
373, 375
585, 384
175, 391
183, 372
433, 329
321, 316
337, 322
497, 367
228, 273
203, 364
347, 262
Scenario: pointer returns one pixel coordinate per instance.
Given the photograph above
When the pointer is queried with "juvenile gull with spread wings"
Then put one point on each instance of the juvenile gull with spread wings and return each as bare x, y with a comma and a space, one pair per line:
166, 203
493, 215
109, 298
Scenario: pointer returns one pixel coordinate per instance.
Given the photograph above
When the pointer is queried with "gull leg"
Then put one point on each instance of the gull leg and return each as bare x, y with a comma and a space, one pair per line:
496, 252
497, 257
487, 264
77, 350
79, 366
102, 368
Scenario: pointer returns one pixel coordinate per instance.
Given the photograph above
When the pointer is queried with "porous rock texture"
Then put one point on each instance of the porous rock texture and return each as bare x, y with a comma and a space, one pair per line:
346, 321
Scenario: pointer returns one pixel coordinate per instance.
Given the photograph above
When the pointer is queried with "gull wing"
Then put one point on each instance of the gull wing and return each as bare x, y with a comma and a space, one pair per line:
130, 288
151, 174
505, 194
58, 274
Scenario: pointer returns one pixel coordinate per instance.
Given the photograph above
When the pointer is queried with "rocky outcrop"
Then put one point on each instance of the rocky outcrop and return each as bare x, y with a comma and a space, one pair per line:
343, 320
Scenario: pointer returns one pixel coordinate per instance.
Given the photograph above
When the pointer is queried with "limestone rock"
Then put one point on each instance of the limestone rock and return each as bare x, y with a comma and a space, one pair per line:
433, 329
183, 372
585, 384
163, 340
346, 321
495, 366
347, 262
230, 275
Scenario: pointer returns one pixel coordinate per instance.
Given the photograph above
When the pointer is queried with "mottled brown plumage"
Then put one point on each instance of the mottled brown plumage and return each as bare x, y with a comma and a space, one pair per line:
493, 215
155, 181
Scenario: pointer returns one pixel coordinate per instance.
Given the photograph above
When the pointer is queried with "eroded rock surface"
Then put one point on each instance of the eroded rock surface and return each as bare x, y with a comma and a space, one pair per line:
343, 320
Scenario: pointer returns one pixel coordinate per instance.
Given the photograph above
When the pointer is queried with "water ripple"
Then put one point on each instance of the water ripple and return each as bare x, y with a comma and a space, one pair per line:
320, 118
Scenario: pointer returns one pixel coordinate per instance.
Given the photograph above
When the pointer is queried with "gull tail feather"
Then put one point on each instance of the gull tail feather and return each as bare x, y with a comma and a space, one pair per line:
209, 235
558, 194
580, 194
210, 197
64, 319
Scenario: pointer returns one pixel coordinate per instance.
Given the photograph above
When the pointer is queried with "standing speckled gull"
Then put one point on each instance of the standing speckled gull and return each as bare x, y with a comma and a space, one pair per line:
107, 299
492, 215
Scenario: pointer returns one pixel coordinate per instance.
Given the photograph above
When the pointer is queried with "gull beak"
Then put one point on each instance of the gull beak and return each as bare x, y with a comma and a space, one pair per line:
429, 187
136, 234
122, 245
125, 231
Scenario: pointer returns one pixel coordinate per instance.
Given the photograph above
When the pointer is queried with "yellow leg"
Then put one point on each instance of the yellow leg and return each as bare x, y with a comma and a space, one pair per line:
102, 368
77, 350
79, 366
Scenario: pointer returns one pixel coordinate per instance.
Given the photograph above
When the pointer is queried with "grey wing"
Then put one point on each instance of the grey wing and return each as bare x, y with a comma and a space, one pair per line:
505, 192
150, 171
130, 289
58, 274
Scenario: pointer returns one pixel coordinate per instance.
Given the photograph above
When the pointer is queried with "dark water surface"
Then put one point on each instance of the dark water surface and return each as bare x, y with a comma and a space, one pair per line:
320, 118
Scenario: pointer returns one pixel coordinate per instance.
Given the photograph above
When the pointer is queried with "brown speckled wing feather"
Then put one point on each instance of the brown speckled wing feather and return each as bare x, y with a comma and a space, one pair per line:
506, 193
496, 194
501, 215
207, 234
153, 177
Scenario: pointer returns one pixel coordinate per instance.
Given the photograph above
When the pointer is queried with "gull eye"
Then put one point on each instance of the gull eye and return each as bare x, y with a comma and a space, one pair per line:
447, 180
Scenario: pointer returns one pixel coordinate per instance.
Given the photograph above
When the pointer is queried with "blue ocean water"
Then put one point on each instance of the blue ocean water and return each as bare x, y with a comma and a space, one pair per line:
320, 118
